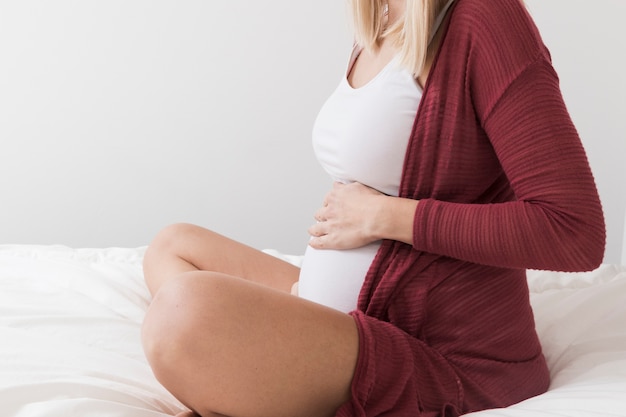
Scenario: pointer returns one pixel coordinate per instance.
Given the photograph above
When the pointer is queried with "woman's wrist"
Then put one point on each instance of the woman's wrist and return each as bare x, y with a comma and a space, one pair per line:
394, 218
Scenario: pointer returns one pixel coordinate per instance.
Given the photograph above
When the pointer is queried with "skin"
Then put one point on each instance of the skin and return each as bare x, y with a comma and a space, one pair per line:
235, 342
223, 333
354, 215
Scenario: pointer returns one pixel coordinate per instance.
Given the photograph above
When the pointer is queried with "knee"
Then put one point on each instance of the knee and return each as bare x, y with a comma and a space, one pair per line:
162, 336
174, 231
181, 309
181, 335
169, 239
168, 328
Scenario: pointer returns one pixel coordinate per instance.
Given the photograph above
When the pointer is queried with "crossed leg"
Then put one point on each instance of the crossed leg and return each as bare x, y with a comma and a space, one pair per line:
243, 346
185, 247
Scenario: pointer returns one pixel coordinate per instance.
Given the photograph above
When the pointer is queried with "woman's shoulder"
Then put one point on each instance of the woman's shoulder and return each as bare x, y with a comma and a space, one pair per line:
502, 24
498, 33
491, 9
498, 41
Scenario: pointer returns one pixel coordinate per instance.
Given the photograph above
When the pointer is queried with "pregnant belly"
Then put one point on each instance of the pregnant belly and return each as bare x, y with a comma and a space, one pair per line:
334, 277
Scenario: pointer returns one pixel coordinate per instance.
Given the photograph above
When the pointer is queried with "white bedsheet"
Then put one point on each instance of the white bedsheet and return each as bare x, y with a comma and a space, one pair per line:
70, 335
70, 338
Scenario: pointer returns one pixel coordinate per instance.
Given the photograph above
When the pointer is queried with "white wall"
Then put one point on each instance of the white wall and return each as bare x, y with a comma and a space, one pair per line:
118, 117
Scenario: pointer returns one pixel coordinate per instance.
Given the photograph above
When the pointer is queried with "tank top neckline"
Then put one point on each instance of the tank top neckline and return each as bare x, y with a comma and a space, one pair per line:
393, 61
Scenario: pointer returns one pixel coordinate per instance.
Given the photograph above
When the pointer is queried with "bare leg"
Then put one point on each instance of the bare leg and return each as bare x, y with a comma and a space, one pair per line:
229, 346
224, 337
184, 247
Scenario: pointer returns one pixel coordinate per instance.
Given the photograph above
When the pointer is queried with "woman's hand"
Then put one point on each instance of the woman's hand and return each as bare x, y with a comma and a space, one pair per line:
354, 215
347, 219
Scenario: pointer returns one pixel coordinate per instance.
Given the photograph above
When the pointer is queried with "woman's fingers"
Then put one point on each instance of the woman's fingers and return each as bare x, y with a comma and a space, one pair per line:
320, 214
343, 219
318, 229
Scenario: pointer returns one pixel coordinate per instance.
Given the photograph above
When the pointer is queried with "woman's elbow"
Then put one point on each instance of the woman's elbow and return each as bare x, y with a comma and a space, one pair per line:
585, 251
595, 249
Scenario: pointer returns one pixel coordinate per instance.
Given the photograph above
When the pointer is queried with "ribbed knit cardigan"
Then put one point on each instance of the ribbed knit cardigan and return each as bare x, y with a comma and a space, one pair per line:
503, 184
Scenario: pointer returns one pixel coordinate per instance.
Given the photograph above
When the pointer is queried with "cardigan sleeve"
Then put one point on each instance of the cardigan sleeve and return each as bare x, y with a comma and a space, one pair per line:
556, 221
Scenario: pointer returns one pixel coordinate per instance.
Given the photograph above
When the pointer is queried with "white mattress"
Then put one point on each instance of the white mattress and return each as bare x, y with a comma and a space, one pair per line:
70, 324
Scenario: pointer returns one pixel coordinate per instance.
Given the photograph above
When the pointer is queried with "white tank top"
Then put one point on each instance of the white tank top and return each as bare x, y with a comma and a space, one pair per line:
360, 134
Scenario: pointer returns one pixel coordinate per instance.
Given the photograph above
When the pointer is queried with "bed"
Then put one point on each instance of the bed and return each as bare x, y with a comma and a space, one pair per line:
70, 324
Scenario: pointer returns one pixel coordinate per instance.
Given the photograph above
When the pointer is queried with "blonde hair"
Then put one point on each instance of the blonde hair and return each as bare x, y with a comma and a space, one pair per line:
410, 34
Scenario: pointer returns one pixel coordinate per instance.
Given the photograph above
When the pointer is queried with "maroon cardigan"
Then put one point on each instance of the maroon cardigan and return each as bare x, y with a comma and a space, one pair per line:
503, 184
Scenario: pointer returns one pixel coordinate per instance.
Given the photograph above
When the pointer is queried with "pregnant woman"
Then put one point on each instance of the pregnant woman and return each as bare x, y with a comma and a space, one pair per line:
456, 166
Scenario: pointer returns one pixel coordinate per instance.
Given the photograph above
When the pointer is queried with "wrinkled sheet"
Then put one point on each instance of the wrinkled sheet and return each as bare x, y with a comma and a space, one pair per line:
70, 323
70, 334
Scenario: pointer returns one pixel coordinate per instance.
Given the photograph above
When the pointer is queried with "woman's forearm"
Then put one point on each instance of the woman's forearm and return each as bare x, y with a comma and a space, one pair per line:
394, 219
